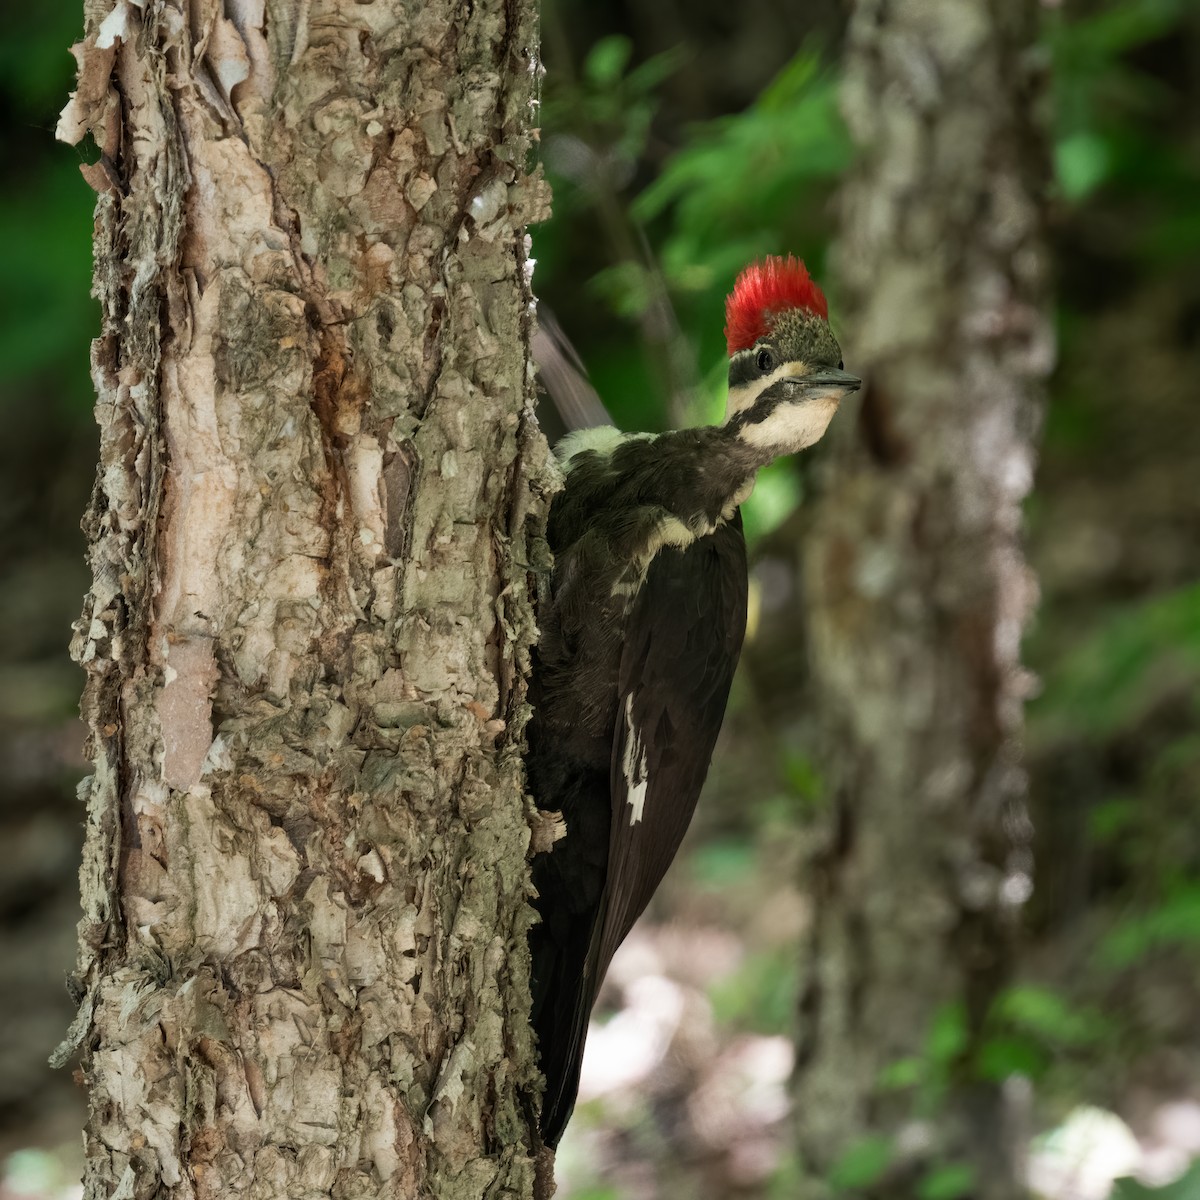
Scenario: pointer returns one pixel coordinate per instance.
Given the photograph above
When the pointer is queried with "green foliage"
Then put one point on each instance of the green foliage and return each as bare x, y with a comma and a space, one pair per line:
1187, 1187
787, 1178
1104, 682
928, 1074
1003, 1055
46, 313
1112, 820
803, 779
948, 1036
596, 1193
1029, 1027
1174, 923
788, 143
760, 996
1099, 96
610, 107
723, 862
1110, 113
863, 1164
949, 1181
1045, 1015
776, 496
1082, 162
627, 288
35, 67
903, 1073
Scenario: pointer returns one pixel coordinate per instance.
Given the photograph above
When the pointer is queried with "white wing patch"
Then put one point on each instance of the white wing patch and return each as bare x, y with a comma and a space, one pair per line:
633, 765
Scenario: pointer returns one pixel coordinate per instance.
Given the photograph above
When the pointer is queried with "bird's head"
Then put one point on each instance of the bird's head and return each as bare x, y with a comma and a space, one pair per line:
785, 367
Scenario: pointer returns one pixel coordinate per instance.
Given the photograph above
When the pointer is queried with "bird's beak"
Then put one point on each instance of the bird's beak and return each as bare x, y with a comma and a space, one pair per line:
830, 379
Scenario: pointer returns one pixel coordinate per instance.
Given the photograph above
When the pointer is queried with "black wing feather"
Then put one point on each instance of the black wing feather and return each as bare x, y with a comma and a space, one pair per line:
680, 645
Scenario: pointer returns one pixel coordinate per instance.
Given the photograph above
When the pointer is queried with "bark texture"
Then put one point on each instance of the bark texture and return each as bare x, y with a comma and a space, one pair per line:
917, 594
302, 961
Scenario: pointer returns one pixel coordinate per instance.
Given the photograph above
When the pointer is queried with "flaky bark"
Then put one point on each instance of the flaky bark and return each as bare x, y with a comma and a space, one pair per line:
302, 962
917, 594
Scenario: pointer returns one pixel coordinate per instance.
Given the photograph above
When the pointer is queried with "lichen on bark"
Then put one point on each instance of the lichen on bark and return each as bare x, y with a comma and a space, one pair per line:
302, 961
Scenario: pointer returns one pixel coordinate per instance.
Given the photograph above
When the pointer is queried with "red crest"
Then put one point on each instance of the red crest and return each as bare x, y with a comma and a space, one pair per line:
762, 291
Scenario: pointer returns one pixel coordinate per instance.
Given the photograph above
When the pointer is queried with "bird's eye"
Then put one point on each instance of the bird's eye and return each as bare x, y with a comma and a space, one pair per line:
765, 361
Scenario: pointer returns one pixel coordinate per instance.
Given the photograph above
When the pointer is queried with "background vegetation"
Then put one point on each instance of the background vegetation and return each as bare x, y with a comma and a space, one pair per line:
682, 140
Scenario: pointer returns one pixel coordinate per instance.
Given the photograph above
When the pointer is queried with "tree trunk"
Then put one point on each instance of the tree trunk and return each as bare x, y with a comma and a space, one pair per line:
302, 961
918, 592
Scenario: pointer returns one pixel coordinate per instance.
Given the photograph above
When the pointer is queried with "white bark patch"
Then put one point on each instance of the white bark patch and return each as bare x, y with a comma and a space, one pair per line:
226, 892
381, 1133
364, 467
184, 709
114, 27
227, 56
84, 111
633, 766
249, 17
234, 214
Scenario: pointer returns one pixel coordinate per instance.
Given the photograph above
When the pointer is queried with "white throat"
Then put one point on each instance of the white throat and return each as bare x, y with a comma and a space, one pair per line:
792, 425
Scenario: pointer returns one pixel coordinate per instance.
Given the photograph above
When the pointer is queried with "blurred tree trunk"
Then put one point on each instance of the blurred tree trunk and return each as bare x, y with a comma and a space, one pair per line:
918, 592
302, 961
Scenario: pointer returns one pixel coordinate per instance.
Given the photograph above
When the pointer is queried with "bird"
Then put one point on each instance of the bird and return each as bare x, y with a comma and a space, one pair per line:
640, 627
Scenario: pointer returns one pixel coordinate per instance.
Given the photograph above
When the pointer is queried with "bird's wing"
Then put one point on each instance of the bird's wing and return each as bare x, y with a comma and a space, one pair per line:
563, 377
682, 642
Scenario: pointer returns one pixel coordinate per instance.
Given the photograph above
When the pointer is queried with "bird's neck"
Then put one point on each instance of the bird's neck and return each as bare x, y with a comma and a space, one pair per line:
705, 473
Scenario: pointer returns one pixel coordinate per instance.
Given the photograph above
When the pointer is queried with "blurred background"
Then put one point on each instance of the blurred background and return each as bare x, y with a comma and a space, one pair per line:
681, 140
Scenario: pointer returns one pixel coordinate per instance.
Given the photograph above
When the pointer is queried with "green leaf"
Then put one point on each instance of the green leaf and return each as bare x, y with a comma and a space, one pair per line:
607, 60
1173, 923
1082, 162
949, 1182
1111, 820
627, 287
720, 863
760, 997
1004, 1055
803, 777
790, 142
863, 1164
645, 78
1119, 669
1047, 1015
903, 1073
947, 1038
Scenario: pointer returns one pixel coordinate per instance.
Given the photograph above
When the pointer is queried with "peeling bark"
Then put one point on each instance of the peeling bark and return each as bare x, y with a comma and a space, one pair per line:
917, 595
303, 967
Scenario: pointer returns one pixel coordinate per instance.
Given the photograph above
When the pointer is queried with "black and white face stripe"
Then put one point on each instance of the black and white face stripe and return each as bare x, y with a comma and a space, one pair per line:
748, 365
749, 382
784, 390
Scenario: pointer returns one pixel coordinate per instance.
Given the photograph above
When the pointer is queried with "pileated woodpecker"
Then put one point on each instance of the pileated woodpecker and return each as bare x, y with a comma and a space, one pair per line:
640, 634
